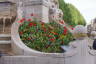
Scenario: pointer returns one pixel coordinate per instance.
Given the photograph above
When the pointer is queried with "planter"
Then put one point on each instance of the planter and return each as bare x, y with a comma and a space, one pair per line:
19, 48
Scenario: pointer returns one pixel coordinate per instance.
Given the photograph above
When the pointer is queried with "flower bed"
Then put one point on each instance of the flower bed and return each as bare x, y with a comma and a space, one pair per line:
44, 37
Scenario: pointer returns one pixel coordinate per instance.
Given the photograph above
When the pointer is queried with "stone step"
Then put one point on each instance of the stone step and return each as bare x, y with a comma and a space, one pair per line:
5, 35
5, 38
6, 49
5, 46
5, 42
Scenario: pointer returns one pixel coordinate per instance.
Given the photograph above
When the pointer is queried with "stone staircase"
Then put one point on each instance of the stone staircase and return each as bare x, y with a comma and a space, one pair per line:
5, 35
5, 44
5, 38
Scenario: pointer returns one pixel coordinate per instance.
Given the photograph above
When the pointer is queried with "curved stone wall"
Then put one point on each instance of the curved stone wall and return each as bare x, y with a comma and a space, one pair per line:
21, 49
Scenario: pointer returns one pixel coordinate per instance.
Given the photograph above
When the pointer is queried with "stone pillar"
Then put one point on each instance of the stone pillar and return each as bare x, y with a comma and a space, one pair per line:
38, 8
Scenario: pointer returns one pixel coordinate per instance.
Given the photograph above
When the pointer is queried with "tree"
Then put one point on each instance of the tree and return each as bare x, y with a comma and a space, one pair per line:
71, 14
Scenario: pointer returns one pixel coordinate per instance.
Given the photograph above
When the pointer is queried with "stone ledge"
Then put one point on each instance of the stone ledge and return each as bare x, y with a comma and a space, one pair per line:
30, 60
5, 42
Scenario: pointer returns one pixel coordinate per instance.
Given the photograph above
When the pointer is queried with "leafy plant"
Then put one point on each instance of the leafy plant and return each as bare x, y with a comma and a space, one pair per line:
44, 37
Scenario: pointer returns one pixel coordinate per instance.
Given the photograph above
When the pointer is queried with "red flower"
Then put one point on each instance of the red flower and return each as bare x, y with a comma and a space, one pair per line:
65, 27
52, 39
72, 28
20, 21
29, 20
30, 24
34, 24
29, 39
20, 33
65, 32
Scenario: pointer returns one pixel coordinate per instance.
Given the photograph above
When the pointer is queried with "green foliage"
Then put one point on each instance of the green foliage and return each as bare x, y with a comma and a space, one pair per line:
71, 15
44, 37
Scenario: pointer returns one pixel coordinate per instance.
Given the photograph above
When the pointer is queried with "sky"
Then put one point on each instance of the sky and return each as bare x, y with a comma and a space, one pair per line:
86, 7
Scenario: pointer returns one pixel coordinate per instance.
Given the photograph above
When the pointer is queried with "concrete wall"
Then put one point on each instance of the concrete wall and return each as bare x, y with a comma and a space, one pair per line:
35, 60
42, 60
30, 60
